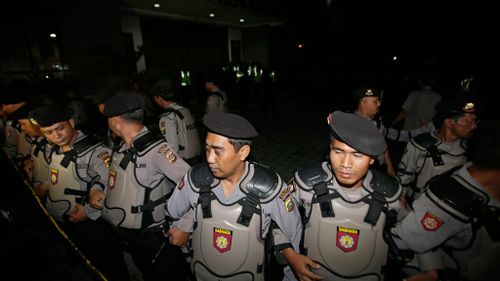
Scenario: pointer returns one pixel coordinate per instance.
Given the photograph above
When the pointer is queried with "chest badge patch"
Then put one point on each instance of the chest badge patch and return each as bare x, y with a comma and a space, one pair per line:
347, 239
54, 176
222, 239
431, 222
111, 179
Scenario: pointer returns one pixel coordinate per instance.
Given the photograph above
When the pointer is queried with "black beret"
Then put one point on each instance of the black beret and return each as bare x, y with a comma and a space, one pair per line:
456, 105
367, 92
103, 95
23, 112
163, 88
358, 132
229, 125
48, 115
122, 103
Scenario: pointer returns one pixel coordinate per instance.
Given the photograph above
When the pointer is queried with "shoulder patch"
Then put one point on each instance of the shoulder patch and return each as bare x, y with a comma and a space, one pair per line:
180, 185
289, 204
162, 128
166, 151
105, 157
431, 222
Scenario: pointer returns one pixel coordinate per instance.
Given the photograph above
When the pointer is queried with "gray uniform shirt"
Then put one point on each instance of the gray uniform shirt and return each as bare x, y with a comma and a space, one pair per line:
91, 165
417, 166
428, 226
152, 168
288, 220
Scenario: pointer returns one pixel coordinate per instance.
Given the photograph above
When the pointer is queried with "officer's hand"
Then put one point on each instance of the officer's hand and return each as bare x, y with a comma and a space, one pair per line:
426, 276
178, 237
28, 167
78, 214
301, 264
42, 189
96, 198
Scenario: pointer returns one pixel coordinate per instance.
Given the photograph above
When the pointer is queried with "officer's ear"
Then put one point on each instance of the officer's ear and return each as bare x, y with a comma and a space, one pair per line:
244, 152
372, 160
72, 122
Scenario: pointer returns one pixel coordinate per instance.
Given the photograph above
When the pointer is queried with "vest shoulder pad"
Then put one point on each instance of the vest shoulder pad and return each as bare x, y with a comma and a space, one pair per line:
264, 182
200, 175
425, 141
84, 144
175, 111
146, 141
451, 193
308, 176
385, 185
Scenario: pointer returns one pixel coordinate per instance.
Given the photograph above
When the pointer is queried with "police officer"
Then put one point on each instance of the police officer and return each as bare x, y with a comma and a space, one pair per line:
16, 144
217, 98
236, 204
36, 167
453, 229
78, 172
434, 153
346, 204
142, 174
176, 123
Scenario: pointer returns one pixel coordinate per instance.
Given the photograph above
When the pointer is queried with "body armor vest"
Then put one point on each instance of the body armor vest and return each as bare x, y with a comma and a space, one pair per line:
65, 180
437, 161
130, 203
40, 162
236, 248
346, 238
187, 133
478, 258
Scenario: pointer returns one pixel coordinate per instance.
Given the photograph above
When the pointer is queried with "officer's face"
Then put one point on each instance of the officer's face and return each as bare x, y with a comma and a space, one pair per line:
29, 128
61, 133
464, 126
371, 105
349, 165
223, 161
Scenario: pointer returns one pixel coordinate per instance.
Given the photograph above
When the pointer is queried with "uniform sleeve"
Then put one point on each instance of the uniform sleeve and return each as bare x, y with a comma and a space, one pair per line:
404, 135
170, 163
99, 167
284, 213
425, 227
182, 200
98, 173
10, 141
408, 165
168, 128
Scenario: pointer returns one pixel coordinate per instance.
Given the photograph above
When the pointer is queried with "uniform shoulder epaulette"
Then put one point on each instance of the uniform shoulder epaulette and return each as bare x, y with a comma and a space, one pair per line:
462, 202
175, 111
85, 144
264, 182
385, 185
425, 141
308, 176
145, 141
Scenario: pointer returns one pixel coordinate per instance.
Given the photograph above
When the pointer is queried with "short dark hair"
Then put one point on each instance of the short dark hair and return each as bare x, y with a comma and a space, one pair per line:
239, 143
484, 149
136, 115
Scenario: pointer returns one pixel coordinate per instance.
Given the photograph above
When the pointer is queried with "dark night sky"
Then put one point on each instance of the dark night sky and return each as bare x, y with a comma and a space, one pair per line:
444, 30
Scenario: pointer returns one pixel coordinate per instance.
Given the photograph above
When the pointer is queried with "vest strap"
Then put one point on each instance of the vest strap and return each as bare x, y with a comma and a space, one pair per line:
323, 198
249, 204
